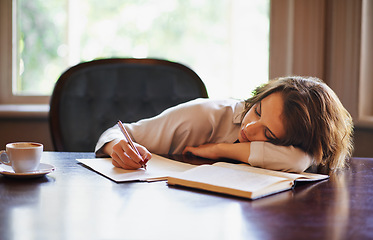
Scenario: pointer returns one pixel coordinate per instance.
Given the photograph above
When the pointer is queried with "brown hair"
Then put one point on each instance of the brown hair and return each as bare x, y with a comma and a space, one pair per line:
314, 118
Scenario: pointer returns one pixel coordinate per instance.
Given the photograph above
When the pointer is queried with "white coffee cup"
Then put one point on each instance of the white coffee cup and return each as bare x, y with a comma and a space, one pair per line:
22, 156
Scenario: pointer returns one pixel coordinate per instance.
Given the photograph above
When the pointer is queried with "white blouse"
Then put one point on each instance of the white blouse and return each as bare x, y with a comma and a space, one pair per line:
204, 121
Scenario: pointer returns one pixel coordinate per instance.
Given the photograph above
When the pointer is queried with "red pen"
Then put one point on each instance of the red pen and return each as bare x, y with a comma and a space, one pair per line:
129, 140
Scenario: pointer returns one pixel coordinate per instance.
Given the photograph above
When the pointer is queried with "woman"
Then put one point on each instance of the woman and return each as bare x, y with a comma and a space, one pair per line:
289, 124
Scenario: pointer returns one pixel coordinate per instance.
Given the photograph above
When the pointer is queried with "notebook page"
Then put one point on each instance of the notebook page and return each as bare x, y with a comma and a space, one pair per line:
158, 168
294, 176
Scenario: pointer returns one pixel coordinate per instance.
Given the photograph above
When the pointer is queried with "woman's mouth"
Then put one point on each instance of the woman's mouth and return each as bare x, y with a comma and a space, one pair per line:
244, 138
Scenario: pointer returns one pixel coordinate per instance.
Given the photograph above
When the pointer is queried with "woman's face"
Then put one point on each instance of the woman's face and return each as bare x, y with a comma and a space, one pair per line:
264, 121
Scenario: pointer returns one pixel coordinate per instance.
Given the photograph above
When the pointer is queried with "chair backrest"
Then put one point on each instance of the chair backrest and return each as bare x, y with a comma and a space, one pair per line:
92, 96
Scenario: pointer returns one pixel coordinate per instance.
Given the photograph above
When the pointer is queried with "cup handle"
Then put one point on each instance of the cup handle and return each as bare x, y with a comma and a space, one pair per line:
4, 155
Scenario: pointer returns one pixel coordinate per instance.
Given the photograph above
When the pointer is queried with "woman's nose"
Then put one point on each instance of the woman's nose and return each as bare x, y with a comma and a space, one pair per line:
252, 130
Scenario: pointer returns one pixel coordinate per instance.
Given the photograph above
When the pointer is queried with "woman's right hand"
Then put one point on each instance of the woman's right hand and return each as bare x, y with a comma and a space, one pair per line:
125, 157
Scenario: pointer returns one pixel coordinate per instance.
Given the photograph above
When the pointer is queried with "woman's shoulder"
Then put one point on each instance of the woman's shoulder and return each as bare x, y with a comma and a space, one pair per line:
204, 108
215, 108
212, 103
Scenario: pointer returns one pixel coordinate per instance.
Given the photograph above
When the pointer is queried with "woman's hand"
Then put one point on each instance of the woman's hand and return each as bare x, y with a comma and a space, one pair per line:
125, 157
237, 151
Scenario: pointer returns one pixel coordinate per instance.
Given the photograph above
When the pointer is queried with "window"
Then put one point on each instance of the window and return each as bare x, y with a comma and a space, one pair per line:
224, 41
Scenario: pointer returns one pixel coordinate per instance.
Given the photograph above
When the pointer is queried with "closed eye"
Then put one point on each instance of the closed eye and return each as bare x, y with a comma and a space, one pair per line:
267, 132
269, 135
258, 109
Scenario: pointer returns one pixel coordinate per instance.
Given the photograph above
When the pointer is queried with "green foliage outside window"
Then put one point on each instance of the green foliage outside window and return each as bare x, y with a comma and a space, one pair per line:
39, 35
53, 35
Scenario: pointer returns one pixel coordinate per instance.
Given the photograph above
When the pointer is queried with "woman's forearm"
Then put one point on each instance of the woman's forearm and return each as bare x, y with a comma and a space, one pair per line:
237, 151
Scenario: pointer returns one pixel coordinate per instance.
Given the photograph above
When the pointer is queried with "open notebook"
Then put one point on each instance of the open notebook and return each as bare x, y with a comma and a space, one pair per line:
240, 180
233, 179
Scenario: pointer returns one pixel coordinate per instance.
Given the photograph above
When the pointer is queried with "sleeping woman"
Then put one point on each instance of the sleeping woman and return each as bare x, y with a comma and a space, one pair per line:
288, 124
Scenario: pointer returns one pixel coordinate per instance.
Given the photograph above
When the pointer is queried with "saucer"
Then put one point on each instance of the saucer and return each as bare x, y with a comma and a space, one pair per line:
43, 169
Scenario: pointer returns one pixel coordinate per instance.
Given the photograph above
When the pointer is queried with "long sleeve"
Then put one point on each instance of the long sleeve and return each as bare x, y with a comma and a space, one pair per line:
189, 124
282, 158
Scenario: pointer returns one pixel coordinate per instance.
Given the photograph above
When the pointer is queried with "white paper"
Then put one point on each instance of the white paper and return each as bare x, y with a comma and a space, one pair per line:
158, 168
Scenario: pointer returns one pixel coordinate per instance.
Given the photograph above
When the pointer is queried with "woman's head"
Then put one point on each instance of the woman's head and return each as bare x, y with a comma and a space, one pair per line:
313, 117
264, 120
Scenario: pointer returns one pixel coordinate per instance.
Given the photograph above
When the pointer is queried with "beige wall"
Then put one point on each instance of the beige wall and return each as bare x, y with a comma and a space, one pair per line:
25, 129
363, 142
329, 39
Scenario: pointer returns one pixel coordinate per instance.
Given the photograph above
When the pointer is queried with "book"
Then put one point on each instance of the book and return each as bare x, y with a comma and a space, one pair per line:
158, 169
240, 180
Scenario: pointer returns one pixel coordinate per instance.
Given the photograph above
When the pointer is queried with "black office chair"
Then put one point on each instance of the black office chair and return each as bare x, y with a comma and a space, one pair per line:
92, 96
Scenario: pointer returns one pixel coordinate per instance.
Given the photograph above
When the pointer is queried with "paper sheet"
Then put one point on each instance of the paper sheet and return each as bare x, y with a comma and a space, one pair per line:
158, 168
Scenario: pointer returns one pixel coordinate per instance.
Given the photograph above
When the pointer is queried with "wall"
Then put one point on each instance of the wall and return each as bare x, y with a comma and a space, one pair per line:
363, 142
14, 129
335, 46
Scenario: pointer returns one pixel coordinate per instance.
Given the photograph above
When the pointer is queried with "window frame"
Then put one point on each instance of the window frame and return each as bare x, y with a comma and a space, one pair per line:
7, 58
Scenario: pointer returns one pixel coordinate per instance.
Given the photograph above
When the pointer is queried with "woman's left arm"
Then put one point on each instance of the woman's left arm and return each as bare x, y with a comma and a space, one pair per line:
236, 151
263, 154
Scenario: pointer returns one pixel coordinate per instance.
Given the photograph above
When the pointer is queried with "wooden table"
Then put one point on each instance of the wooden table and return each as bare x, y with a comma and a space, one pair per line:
76, 203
